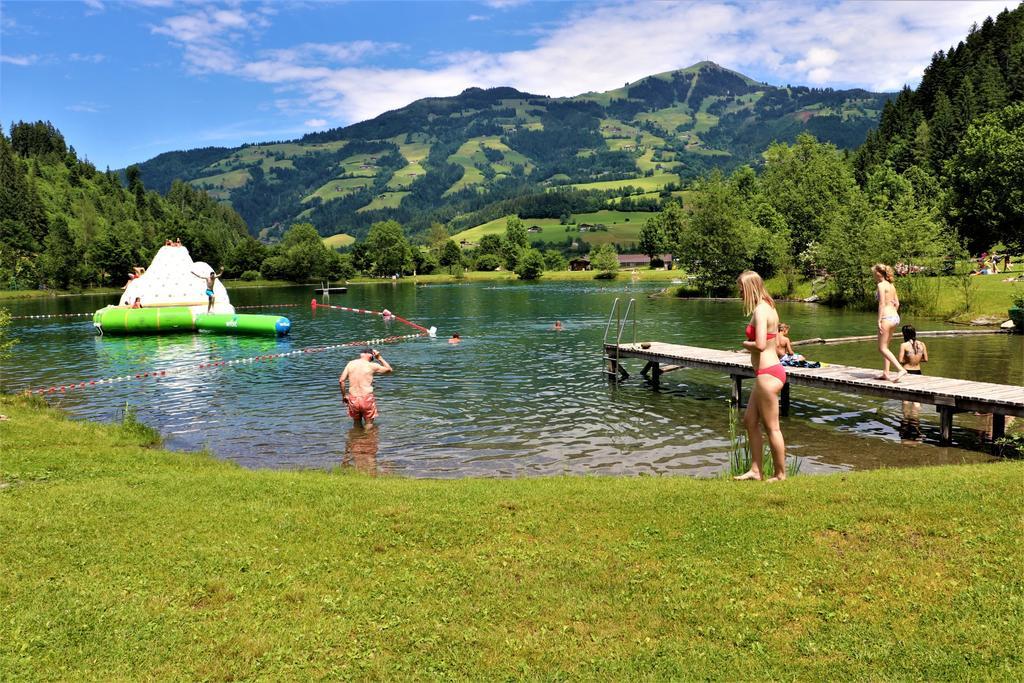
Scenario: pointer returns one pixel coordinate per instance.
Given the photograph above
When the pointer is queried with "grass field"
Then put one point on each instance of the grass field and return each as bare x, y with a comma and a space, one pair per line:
333, 189
387, 200
123, 561
340, 240
623, 227
414, 152
650, 184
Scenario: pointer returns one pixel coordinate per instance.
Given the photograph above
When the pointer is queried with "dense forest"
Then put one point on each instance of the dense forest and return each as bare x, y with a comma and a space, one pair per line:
63, 223
453, 159
960, 133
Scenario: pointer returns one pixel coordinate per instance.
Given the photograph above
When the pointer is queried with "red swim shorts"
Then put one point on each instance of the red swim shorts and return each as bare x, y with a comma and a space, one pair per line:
364, 407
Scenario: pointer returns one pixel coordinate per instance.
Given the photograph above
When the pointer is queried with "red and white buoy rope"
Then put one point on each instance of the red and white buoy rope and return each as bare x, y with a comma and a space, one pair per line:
386, 314
158, 374
50, 315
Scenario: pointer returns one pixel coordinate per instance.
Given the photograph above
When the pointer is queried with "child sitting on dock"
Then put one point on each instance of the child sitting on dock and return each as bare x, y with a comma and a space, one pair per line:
788, 356
785, 346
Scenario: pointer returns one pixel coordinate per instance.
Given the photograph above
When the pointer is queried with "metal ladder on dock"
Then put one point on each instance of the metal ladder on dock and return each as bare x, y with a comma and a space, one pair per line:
612, 368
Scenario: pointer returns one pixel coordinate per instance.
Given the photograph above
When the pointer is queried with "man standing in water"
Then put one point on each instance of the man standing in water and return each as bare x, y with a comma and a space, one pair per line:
211, 280
362, 406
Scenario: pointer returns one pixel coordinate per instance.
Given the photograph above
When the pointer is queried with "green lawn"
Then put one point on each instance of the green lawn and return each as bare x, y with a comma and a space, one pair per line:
127, 562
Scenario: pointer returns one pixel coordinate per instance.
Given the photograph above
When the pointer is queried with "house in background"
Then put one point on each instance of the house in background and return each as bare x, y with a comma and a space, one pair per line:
643, 261
579, 264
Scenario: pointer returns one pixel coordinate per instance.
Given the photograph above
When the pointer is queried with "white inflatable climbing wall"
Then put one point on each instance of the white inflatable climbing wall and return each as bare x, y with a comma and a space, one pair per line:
171, 280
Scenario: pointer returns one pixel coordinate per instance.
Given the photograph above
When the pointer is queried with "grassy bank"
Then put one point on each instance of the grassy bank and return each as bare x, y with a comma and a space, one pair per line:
989, 296
646, 275
47, 293
133, 562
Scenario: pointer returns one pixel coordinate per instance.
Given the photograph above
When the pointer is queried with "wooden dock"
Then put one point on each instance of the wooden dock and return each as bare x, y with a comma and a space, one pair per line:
948, 395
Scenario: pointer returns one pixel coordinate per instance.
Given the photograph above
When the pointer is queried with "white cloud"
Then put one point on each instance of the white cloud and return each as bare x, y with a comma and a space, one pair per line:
504, 4
879, 46
87, 107
19, 60
315, 123
93, 59
477, 17
95, 5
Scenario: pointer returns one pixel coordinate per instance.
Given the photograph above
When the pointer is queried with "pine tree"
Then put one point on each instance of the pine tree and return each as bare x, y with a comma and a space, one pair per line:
989, 85
943, 132
60, 255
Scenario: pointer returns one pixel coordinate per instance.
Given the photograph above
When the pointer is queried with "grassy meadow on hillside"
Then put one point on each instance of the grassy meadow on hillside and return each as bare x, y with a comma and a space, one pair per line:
129, 562
623, 228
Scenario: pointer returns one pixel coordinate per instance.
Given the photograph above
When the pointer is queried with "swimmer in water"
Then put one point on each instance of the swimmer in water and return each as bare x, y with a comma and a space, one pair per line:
455, 339
558, 326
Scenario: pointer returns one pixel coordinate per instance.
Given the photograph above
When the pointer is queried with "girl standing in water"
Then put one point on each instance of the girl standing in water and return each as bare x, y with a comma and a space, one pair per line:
888, 317
763, 406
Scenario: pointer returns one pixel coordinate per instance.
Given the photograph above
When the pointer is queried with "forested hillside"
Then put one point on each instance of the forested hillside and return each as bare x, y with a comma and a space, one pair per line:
962, 131
465, 160
65, 224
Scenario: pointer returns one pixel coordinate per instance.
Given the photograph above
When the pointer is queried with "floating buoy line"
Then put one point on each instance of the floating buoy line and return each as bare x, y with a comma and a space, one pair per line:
160, 374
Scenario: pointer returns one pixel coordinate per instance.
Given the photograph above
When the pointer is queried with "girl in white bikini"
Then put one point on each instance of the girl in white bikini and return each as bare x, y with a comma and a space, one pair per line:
888, 318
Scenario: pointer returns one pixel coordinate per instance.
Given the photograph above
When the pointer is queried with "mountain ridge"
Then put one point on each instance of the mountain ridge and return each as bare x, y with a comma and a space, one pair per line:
441, 159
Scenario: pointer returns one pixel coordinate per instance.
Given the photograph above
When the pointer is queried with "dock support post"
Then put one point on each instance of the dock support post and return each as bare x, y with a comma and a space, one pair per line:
784, 400
946, 423
737, 390
998, 426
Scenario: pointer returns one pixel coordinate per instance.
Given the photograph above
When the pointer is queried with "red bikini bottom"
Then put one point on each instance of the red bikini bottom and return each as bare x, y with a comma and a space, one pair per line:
776, 371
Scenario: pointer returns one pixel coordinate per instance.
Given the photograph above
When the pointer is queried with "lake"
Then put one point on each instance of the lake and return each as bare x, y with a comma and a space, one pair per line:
515, 398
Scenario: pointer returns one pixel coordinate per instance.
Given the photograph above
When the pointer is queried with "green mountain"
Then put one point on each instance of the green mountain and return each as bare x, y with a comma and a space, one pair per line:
467, 159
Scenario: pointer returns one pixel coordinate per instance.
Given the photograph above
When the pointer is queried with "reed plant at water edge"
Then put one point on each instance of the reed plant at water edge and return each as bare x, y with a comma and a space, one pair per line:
740, 457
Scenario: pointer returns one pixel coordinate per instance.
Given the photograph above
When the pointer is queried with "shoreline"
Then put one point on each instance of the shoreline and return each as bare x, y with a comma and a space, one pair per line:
143, 563
993, 297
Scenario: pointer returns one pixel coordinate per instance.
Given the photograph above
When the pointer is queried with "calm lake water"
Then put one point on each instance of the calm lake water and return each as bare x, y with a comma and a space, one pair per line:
514, 399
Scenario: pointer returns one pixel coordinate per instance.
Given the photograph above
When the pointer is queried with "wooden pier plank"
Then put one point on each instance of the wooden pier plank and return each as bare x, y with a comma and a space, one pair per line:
950, 394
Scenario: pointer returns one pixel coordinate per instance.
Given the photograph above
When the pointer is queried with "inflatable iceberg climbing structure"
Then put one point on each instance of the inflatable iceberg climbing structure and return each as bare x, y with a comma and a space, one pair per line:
172, 297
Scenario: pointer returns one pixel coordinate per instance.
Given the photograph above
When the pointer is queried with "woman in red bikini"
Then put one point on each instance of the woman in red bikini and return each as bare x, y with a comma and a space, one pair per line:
763, 406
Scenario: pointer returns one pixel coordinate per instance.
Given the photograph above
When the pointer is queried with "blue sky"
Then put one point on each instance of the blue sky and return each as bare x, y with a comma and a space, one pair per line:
127, 80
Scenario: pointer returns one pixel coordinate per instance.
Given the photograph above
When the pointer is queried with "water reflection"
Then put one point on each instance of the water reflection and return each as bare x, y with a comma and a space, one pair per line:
361, 447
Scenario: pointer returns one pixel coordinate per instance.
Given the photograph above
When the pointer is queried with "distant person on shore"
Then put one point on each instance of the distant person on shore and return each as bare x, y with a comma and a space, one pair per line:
888, 318
455, 338
137, 303
1006, 262
770, 377
362, 405
211, 280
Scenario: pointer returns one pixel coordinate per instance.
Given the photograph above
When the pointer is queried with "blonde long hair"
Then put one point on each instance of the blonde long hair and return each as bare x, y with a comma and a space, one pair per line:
885, 271
753, 291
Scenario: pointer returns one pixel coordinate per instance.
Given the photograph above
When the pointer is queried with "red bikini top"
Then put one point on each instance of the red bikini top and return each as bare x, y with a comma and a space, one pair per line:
751, 334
